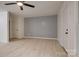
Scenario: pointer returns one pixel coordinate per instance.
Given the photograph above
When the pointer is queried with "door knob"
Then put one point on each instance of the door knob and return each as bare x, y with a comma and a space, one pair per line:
66, 32
66, 29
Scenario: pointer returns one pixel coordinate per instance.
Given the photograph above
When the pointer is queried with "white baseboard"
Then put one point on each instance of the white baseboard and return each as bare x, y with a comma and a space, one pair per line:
40, 37
4, 41
77, 55
71, 53
16, 38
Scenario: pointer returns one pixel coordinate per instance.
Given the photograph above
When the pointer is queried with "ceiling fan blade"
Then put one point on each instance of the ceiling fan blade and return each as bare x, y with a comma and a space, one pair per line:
28, 5
21, 7
9, 3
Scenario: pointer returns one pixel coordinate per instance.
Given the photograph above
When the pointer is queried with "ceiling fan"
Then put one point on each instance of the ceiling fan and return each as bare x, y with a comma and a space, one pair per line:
20, 4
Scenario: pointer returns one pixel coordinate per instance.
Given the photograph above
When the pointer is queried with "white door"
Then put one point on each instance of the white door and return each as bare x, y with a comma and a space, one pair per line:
69, 25
65, 28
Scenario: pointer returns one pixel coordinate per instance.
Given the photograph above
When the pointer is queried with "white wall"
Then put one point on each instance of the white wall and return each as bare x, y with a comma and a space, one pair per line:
20, 28
67, 17
78, 33
11, 25
4, 27
16, 26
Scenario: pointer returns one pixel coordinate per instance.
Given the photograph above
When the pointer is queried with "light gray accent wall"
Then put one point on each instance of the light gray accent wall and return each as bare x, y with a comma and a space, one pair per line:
45, 26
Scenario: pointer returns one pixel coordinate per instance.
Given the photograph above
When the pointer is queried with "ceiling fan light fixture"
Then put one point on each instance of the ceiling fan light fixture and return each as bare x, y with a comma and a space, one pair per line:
19, 3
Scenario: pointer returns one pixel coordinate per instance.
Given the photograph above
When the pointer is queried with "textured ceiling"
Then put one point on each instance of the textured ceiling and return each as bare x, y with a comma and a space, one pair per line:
42, 8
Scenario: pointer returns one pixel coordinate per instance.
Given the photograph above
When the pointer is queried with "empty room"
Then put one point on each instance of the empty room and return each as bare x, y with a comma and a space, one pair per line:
39, 29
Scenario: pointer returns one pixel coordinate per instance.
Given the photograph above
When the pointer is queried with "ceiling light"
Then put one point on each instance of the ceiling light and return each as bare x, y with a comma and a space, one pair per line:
19, 3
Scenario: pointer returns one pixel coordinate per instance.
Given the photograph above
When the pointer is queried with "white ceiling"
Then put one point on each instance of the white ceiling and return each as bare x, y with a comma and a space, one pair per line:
42, 8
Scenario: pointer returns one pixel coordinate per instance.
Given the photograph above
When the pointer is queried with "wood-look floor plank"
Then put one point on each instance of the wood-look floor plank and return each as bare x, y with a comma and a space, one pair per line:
32, 48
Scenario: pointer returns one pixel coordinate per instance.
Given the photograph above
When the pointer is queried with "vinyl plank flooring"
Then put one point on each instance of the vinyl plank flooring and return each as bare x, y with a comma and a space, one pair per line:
32, 48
